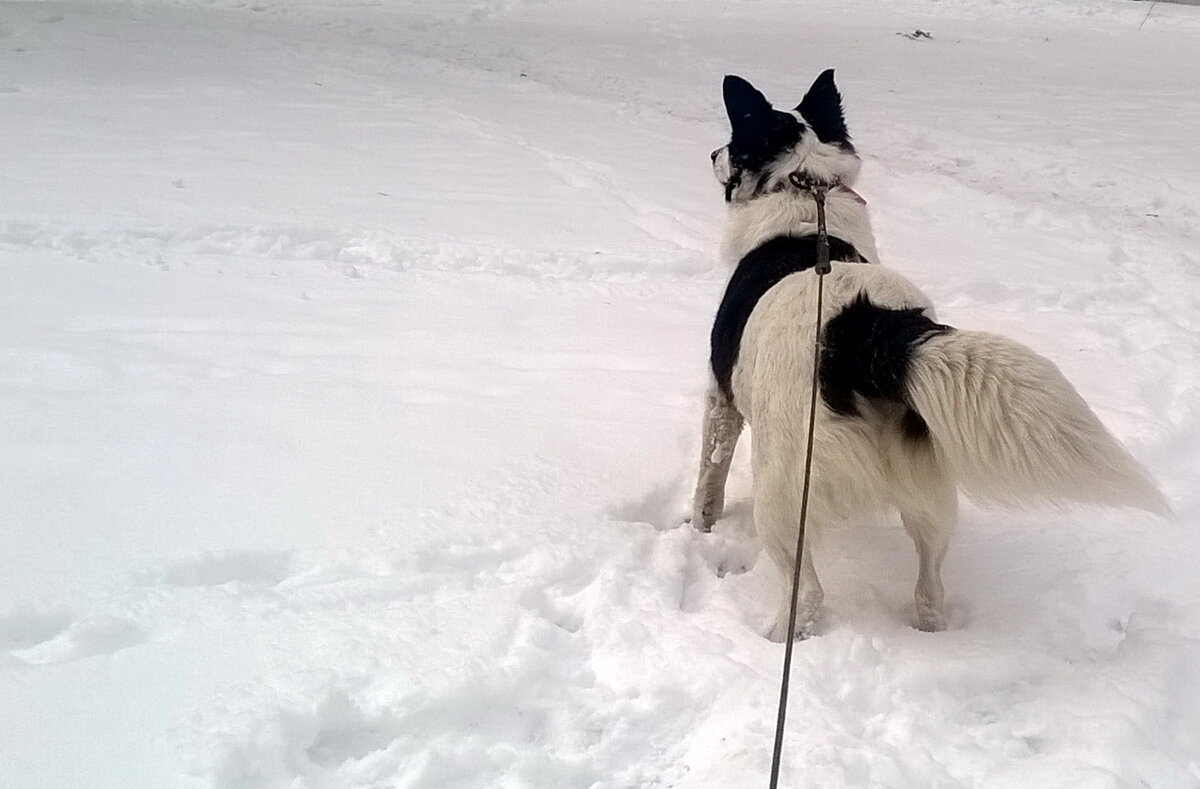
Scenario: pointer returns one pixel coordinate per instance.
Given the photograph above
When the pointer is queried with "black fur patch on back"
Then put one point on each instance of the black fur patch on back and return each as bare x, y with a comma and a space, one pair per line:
760, 270
913, 426
867, 351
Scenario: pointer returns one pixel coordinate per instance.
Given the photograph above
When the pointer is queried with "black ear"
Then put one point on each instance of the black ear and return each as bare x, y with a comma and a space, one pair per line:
749, 110
822, 108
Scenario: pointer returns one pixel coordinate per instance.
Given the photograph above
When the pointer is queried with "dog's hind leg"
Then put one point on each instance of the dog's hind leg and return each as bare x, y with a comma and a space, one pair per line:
722, 426
930, 523
808, 606
777, 520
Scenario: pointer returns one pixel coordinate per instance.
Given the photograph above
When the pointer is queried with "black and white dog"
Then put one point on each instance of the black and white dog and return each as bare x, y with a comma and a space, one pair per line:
910, 410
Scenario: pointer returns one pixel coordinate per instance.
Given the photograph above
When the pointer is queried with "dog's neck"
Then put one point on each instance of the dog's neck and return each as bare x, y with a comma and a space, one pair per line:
793, 213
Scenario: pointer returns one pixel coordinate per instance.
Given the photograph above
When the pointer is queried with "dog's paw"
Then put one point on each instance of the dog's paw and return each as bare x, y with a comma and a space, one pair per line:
702, 521
806, 625
930, 620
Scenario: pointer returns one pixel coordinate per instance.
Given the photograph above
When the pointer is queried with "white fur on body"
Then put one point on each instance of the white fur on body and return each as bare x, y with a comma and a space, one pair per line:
751, 223
1004, 424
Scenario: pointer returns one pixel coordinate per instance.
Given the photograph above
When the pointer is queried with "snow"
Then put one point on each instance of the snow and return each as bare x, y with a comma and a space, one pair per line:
352, 370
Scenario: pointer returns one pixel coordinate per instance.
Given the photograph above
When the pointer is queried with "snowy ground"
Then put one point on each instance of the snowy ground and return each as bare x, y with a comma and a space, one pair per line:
350, 380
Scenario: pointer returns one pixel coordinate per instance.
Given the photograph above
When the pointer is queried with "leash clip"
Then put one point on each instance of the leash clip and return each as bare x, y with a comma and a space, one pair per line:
817, 189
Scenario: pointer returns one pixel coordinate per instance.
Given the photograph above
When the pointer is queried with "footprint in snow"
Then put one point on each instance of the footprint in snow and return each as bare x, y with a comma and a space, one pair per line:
331, 739
252, 568
24, 627
46, 638
344, 732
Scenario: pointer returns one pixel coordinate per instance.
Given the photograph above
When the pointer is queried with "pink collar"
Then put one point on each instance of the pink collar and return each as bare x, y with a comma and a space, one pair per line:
853, 194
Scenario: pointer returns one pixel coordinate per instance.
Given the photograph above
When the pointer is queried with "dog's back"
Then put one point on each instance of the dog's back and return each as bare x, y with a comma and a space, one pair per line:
1001, 421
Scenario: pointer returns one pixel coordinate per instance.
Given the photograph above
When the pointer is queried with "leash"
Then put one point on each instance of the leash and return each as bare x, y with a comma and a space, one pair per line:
817, 190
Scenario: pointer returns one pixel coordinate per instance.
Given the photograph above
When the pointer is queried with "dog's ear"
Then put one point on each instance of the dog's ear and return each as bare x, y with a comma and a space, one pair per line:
822, 108
749, 111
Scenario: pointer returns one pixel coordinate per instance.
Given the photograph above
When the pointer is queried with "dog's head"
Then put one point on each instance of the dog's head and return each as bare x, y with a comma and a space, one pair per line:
767, 145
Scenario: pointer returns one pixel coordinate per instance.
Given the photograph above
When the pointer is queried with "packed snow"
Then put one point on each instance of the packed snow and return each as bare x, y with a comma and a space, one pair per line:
352, 364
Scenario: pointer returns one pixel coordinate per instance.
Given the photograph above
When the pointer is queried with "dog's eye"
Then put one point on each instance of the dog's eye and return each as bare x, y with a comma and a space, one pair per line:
715, 154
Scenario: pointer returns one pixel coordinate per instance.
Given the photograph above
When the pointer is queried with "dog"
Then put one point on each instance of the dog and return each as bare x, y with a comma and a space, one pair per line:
910, 410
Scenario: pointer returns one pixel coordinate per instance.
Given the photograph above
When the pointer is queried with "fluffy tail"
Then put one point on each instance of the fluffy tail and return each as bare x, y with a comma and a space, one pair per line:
1012, 429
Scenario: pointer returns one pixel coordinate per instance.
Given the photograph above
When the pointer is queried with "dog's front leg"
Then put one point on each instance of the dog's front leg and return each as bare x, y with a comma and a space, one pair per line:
722, 426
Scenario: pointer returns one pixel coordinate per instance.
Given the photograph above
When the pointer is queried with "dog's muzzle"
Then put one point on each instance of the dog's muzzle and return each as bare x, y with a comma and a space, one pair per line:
722, 167
729, 176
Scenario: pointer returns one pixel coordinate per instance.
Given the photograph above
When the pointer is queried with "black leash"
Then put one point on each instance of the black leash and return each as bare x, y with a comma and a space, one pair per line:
817, 190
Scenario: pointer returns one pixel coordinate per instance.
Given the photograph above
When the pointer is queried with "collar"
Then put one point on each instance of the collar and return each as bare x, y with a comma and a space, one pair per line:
807, 183
855, 196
